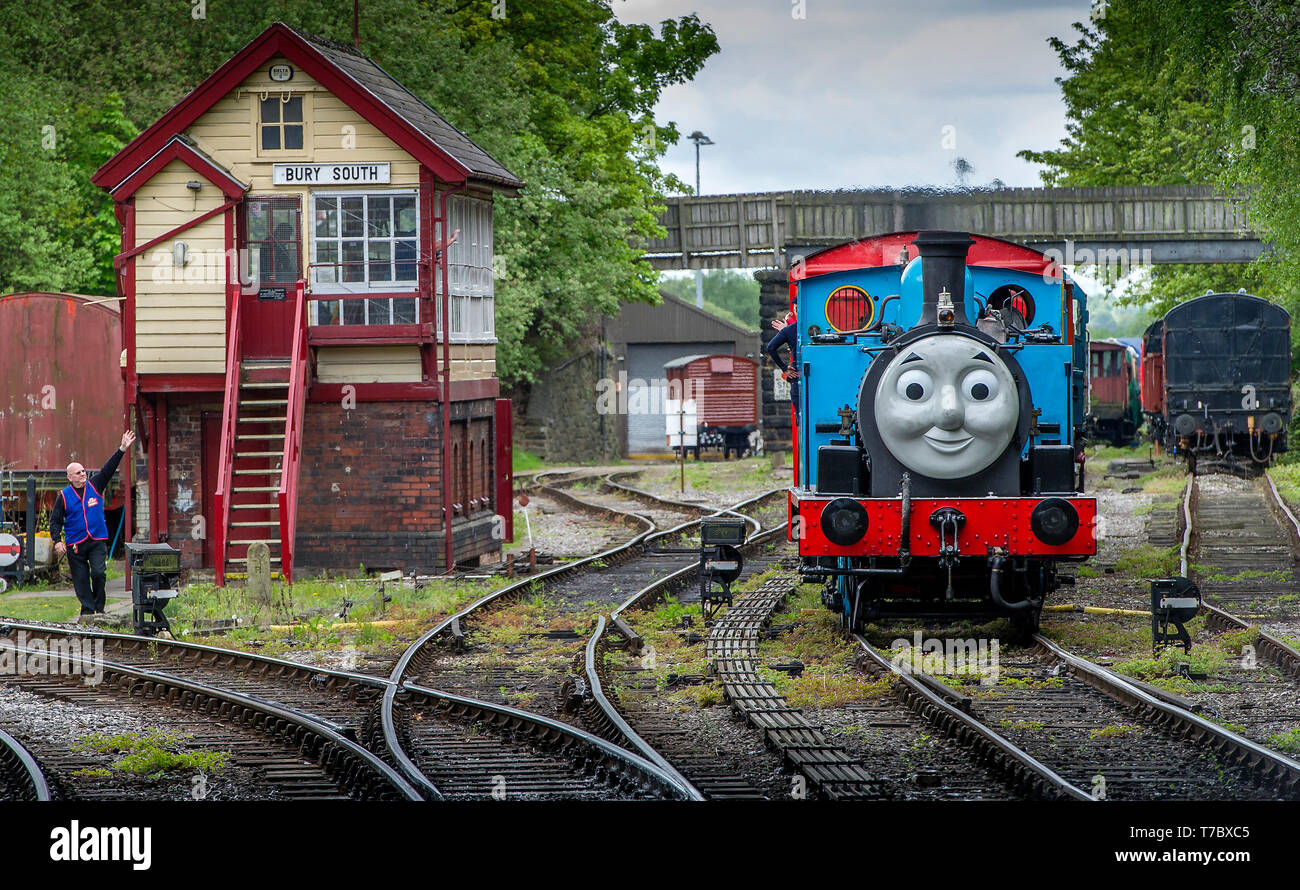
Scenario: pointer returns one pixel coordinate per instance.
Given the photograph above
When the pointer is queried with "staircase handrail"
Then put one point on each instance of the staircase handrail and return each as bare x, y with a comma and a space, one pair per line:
289, 462
229, 417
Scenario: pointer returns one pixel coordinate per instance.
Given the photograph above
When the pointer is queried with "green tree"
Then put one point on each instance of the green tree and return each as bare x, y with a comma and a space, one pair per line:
728, 293
1139, 114
559, 91
58, 230
1201, 91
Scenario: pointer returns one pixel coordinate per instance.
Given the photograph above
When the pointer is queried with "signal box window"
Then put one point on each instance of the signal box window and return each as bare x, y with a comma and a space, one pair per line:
366, 242
271, 233
282, 124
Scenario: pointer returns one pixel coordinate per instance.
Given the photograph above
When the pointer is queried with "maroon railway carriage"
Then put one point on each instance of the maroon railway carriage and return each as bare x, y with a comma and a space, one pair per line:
725, 389
1153, 376
60, 398
1112, 377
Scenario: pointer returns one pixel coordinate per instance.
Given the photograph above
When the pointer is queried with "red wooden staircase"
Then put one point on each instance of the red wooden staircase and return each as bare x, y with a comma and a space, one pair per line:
261, 438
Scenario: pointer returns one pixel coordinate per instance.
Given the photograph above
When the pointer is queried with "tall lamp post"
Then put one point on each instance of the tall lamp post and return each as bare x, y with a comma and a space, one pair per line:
699, 139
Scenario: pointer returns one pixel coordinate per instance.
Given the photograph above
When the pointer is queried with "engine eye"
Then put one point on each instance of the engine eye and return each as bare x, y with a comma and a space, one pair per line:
915, 385
980, 385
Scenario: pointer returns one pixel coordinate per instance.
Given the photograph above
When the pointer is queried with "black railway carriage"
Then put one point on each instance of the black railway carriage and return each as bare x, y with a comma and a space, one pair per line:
1226, 394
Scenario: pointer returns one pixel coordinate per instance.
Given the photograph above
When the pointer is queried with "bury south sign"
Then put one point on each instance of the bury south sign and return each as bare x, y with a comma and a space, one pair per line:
330, 174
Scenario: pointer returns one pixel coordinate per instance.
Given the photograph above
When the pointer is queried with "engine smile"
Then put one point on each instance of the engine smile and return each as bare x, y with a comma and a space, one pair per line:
946, 445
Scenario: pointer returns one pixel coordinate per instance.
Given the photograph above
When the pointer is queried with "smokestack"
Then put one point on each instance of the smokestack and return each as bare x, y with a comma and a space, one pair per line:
943, 269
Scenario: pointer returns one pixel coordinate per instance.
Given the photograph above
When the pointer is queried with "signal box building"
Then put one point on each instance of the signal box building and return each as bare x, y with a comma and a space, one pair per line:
306, 268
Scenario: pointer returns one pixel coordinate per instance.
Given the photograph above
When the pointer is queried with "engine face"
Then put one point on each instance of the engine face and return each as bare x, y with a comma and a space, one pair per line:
946, 406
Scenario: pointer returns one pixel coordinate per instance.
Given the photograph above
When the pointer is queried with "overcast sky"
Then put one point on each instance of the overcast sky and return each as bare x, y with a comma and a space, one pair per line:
858, 94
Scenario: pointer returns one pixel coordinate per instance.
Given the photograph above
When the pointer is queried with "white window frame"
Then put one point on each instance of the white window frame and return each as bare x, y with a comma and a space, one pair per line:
469, 267
321, 290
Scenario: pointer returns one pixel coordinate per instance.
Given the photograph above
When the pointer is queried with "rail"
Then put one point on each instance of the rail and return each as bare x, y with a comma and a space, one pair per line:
288, 494
24, 766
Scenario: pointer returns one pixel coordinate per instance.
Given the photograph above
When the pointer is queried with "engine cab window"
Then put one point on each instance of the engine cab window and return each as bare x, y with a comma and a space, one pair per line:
1015, 303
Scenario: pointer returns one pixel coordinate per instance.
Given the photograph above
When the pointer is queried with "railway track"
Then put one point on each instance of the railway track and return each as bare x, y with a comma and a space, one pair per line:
437, 664
824, 767
1240, 545
1097, 730
721, 771
21, 776
295, 754
1068, 728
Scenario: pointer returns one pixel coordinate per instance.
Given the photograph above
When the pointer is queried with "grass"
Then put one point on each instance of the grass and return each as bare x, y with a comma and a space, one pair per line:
306, 613
709, 475
524, 461
829, 678
1277, 575
1162, 669
1148, 561
1106, 453
44, 608
1100, 635
1114, 731
1169, 480
1287, 479
152, 755
1289, 741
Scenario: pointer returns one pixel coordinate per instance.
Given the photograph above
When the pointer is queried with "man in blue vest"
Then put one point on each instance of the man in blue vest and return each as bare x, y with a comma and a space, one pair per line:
78, 517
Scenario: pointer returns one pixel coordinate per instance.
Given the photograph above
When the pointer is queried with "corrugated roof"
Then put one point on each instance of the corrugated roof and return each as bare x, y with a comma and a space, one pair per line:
380, 84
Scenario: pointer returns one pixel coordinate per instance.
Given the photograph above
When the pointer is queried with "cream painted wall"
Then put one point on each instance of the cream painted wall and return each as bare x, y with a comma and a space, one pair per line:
181, 312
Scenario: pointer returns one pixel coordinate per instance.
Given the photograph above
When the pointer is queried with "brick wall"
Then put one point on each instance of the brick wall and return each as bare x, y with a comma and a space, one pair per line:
185, 494
370, 489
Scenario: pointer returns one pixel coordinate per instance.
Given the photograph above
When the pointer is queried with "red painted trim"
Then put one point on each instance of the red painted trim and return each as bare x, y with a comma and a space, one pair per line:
461, 391
278, 39
287, 497
178, 150
469, 390
128, 489
369, 335
125, 213
884, 250
375, 392
232, 266
1001, 522
428, 306
188, 224
151, 465
213, 383
503, 452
